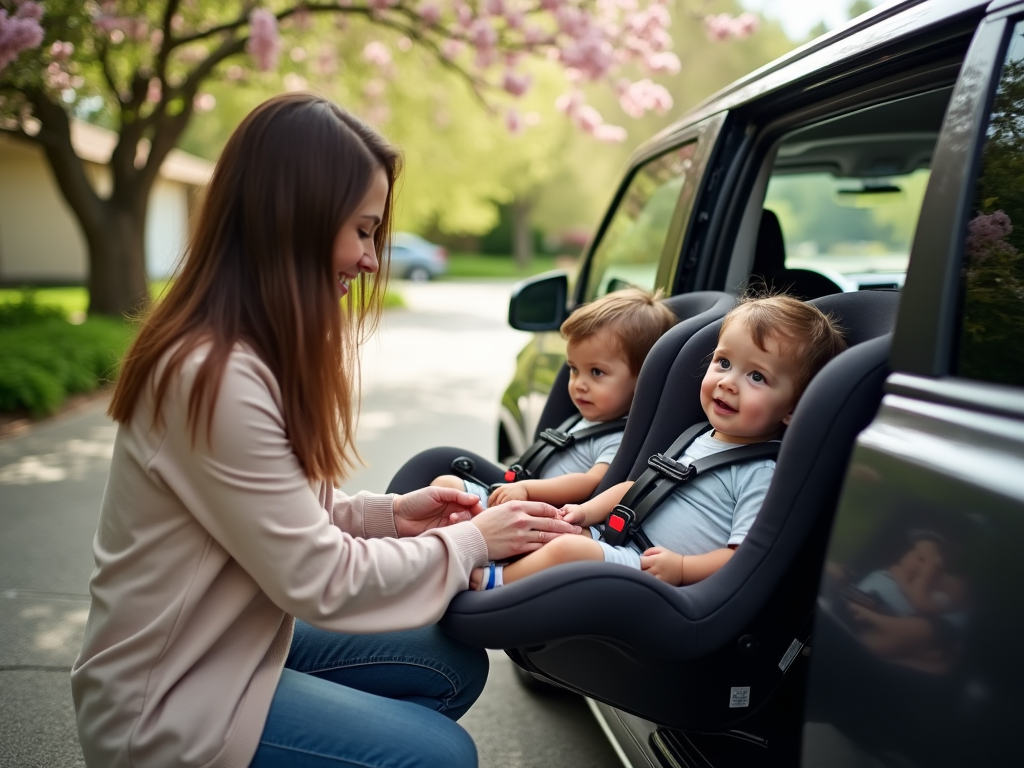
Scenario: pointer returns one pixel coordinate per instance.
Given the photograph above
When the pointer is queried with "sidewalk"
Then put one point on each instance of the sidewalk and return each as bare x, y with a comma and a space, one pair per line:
51, 482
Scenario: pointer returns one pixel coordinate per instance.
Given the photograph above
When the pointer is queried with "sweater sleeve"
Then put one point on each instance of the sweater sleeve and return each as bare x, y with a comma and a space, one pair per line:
245, 486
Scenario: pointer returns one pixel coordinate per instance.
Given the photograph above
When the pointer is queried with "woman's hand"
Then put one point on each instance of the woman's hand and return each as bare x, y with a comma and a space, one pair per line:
520, 526
432, 507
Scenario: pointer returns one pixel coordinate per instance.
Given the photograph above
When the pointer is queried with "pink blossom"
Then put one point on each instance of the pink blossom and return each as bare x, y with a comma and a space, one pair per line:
643, 96
264, 43
204, 102
986, 236
493, 7
154, 90
327, 61
377, 53
718, 27
20, 32
588, 118
612, 134
451, 49
303, 18
516, 83
745, 25
430, 13
514, 121
379, 6
482, 35
62, 51
723, 26
532, 34
665, 61
374, 88
569, 102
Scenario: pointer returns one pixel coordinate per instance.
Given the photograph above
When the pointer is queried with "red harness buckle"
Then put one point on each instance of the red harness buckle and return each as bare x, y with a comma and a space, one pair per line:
616, 523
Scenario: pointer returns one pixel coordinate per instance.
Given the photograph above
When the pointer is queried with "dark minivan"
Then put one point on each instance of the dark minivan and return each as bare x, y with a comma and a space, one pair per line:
869, 618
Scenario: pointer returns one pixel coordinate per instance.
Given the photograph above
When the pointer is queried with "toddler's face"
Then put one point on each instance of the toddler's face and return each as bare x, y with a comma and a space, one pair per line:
748, 393
600, 382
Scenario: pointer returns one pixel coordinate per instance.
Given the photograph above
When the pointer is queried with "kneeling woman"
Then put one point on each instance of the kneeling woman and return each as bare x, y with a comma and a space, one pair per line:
236, 592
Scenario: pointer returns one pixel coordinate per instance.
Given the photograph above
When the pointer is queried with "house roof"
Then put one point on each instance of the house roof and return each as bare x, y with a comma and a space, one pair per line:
96, 144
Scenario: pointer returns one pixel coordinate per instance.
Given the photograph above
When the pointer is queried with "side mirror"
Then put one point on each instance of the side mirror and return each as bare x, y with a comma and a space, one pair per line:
538, 304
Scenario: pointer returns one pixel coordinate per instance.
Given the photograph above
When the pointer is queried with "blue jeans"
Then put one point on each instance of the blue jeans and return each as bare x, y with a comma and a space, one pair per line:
373, 701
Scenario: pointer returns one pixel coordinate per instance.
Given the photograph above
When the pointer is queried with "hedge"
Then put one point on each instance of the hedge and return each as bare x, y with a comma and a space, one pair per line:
45, 358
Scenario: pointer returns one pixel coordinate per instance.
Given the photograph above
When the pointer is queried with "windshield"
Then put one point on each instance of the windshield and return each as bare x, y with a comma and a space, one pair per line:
846, 225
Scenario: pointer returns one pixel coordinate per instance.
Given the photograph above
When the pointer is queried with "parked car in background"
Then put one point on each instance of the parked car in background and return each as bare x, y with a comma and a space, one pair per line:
875, 620
416, 259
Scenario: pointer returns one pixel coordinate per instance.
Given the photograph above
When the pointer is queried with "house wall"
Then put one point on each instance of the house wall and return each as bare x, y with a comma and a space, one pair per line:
39, 237
40, 240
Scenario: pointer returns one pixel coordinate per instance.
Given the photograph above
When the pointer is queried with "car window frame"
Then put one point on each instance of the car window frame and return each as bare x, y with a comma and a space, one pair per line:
928, 320
704, 133
926, 339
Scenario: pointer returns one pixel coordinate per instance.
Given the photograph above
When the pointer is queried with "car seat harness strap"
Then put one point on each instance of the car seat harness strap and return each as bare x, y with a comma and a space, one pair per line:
537, 455
552, 441
664, 475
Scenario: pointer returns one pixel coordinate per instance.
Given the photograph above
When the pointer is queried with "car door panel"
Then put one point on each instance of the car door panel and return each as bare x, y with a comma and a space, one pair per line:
915, 657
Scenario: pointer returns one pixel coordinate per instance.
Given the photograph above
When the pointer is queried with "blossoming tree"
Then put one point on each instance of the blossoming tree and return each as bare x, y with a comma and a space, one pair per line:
142, 64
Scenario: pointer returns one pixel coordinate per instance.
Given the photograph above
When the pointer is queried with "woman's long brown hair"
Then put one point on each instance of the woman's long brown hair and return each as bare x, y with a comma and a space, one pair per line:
258, 270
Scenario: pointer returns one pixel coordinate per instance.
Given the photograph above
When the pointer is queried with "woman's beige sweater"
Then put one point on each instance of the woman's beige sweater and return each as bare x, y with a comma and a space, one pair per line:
205, 551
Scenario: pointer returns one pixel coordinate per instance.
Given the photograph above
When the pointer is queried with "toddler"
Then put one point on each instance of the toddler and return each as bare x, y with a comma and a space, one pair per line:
607, 342
768, 350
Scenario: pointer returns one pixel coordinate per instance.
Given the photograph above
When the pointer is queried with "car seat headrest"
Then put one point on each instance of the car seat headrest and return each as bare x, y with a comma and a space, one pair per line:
863, 315
770, 253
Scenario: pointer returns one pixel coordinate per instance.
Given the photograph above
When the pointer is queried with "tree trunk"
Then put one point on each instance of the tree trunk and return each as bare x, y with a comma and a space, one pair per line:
522, 232
117, 259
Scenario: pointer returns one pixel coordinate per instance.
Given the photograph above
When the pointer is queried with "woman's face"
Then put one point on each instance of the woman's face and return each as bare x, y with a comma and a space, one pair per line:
354, 250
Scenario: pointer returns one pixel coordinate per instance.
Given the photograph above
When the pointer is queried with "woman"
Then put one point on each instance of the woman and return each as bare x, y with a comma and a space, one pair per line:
220, 522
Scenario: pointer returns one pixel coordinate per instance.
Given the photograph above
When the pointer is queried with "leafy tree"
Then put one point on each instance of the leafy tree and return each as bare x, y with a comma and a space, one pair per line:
144, 66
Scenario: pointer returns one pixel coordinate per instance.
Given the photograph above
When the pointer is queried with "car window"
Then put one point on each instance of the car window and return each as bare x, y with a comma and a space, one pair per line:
853, 227
630, 249
992, 319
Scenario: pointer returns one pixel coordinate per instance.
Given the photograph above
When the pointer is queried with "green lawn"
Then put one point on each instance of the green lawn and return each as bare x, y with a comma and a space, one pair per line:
469, 265
74, 300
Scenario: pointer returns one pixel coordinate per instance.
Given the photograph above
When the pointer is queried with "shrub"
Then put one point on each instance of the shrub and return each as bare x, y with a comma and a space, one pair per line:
47, 358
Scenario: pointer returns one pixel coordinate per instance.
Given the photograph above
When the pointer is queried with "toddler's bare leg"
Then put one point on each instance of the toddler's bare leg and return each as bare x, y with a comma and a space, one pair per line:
564, 549
449, 481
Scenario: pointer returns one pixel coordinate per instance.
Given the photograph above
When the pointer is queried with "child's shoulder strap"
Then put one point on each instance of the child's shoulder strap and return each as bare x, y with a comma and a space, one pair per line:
550, 441
664, 474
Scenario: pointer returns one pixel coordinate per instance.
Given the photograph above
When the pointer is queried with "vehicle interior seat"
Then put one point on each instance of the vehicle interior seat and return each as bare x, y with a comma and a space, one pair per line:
695, 310
709, 656
770, 273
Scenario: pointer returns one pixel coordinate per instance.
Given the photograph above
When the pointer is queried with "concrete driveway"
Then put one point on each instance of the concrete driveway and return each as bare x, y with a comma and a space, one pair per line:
432, 376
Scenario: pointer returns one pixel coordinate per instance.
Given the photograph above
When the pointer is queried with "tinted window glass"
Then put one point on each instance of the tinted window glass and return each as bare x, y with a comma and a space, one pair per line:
848, 226
631, 246
992, 329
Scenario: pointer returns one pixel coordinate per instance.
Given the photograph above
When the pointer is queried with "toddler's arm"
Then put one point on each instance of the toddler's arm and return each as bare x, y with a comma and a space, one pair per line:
565, 489
596, 511
679, 570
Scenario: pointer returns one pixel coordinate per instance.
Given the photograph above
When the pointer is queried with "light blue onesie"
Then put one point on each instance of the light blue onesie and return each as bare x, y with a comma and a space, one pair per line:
714, 510
581, 456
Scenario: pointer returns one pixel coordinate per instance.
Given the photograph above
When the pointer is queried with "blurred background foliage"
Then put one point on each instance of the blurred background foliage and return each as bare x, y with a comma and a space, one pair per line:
468, 182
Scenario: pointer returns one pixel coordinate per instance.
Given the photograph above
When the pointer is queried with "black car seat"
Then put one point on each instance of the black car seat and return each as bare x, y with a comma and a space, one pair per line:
770, 272
694, 310
710, 656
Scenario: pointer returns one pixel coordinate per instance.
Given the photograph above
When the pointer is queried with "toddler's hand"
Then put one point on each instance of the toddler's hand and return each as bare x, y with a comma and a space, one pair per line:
508, 492
664, 564
572, 513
